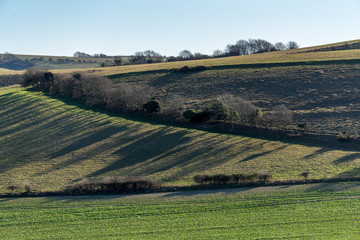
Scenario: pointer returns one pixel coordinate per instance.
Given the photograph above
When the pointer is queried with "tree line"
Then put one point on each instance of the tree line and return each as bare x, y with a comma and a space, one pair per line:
253, 46
241, 47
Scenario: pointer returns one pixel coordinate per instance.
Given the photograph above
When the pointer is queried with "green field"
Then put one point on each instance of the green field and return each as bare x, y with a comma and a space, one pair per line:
52, 143
327, 211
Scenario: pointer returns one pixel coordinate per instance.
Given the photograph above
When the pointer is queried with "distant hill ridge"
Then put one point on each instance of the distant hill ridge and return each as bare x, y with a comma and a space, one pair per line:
349, 45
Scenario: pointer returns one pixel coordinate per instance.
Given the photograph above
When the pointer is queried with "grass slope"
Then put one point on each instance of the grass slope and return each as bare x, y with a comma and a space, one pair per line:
326, 211
52, 143
324, 95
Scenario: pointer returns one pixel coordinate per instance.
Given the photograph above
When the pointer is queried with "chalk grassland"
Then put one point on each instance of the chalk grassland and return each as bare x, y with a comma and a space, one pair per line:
307, 212
52, 143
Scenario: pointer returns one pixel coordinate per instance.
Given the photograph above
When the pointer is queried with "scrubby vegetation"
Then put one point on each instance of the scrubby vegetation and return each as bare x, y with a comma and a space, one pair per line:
227, 179
110, 185
97, 91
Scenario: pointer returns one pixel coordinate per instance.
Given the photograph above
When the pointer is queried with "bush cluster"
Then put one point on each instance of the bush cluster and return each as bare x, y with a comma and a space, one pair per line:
97, 91
232, 109
111, 186
234, 178
94, 91
346, 136
187, 69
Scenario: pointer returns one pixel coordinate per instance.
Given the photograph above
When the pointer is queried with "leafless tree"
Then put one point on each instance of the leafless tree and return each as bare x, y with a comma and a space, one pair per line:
292, 45
185, 54
217, 53
279, 46
243, 47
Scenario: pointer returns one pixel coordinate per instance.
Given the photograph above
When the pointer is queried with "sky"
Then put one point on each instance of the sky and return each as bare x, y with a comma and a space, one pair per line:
123, 27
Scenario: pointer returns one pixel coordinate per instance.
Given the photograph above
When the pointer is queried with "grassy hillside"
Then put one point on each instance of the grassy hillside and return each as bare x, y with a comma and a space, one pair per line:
306, 212
316, 53
52, 143
325, 95
21, 62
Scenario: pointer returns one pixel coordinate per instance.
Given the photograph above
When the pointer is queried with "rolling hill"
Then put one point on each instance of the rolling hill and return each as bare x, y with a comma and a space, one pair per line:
54, 142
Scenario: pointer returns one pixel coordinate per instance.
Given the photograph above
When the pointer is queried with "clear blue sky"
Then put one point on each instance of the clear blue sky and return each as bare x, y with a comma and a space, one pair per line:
122, 27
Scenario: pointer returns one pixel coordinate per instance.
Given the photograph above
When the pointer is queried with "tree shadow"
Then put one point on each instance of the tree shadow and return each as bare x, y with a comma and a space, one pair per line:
263, 153
154, 144
332, 187
316, 153
88, 139
347, 158
355, 172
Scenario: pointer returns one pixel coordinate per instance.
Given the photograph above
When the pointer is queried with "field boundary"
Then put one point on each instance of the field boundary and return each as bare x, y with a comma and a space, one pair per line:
200, 187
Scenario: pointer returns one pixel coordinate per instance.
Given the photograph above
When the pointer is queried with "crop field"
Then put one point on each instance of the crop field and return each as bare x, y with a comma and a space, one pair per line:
323, 211
54, 142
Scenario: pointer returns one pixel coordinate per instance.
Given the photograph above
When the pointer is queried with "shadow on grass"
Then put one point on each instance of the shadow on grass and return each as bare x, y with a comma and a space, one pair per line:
153, 145
347, 158
251, 157
317, 153
204, 193
333, 187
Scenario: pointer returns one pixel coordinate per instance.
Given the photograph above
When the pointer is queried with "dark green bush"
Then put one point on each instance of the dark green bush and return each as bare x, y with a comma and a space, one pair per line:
201, 117
111, 185
187, 69
303, 125
152, 106
226, 179
189, 114
218, 110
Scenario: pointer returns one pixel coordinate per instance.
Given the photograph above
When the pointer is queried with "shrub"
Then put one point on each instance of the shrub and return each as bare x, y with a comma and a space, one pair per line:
111, 185
27, 187
124, 97
264, 176
200, 117
173, 107
218, 110
189, 114
226, 179
38, 79
187, 69
305, 174
152, 106
13, 187
282, 116
94, 90
246, 111
303, 125
344, 137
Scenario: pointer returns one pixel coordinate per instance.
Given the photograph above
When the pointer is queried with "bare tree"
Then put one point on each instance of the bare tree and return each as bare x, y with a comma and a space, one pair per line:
282, 116
292, 45
243, 47
217, 53
260, 45
279, 46
186, 54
